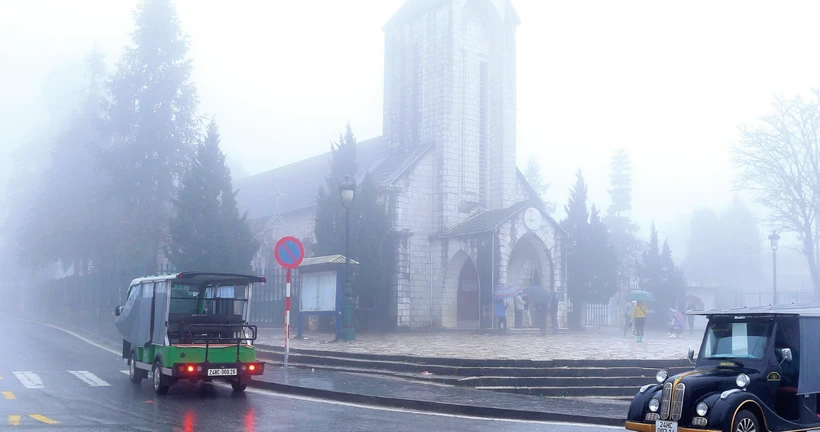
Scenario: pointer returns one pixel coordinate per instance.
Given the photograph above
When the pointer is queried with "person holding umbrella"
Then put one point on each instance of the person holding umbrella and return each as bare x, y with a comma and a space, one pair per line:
639, 317
639, 311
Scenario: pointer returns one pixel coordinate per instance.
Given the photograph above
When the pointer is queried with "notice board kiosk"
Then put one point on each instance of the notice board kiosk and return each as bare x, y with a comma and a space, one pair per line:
322, 283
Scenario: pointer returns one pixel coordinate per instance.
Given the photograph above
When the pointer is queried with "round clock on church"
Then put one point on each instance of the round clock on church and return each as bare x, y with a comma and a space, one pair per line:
532, 218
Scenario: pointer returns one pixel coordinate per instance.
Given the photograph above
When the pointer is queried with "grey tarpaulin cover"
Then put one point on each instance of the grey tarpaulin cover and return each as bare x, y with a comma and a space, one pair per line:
808, 356
134, 323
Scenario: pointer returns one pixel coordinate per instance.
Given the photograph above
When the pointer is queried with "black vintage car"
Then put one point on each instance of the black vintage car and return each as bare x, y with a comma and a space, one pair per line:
758, 370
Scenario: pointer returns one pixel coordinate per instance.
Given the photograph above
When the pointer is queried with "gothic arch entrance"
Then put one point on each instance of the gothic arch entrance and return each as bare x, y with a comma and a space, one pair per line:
460, 303
467, 296
530, 264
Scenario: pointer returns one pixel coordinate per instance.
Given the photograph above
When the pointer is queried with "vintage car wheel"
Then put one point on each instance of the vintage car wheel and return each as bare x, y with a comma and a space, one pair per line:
159, 382
133, 373
746, 422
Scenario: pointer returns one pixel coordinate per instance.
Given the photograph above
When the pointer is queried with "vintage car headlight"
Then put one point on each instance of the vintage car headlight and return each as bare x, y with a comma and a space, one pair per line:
654, 404
702, 409
742, 380
661, 376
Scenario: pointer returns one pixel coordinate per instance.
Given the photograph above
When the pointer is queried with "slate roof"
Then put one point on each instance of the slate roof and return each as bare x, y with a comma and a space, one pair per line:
300, 181
485, 221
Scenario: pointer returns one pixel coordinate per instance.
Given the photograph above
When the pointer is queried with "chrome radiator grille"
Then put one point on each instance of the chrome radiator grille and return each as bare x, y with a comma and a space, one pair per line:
667, 394
677, 404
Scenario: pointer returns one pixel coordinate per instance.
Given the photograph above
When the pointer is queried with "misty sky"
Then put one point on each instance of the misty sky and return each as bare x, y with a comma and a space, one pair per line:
668, 81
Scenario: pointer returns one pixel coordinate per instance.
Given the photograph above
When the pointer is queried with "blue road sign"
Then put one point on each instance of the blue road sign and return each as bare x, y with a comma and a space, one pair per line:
289, 252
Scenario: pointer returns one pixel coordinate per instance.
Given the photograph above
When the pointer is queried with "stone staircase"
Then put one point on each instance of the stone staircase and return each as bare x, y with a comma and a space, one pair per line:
576, 378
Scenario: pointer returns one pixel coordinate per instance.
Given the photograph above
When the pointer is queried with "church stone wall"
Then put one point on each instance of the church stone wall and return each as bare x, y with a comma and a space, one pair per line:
414, 214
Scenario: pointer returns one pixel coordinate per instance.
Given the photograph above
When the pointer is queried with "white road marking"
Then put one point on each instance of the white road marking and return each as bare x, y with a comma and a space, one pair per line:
29, 379
304, 398
89, 378
126, 372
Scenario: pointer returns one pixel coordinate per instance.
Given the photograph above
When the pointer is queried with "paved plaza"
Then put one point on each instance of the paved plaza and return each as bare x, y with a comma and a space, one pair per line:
593, 343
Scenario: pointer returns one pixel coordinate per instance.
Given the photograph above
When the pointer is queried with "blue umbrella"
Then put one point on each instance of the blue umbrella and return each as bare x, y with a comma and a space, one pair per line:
645, 296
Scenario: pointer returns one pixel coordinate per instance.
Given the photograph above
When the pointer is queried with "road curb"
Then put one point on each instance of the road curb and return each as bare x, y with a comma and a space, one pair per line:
477, 363
382, 401
437, 407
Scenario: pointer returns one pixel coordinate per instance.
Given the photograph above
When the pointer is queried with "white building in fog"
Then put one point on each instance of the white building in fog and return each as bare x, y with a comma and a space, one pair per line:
446, 164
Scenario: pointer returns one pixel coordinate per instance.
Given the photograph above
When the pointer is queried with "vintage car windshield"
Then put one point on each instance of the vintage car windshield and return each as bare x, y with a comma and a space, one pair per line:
736, 340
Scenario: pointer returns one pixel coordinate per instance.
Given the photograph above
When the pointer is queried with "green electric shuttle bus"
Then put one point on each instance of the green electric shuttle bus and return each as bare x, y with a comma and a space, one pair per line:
191, 325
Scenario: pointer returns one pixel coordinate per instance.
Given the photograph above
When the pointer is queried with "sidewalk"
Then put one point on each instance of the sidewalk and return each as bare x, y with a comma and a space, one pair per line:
604, 343
397, 393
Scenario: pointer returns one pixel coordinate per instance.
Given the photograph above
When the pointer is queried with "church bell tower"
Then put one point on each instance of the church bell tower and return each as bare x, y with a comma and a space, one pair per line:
449, 84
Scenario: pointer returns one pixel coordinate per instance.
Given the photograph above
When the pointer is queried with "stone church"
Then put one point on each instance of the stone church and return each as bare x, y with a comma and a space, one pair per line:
467, 219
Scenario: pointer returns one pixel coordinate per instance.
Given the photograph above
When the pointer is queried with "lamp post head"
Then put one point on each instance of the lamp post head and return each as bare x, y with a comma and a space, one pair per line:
773, 238
347, 192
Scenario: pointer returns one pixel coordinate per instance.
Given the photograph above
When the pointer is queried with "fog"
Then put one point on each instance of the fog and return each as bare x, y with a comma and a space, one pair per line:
669, 82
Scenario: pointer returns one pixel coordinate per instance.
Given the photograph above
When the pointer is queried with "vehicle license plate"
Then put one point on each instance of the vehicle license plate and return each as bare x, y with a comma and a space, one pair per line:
666, 426
224, 372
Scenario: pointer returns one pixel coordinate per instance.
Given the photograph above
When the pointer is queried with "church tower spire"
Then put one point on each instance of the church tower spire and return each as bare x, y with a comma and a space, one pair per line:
449, 82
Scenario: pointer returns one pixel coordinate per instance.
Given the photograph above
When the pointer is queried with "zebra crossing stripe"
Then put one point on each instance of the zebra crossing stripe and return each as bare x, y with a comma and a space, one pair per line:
126, 372
89, 378
29, 379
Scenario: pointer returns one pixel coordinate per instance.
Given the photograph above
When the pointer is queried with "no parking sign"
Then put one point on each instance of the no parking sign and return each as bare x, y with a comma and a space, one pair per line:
289, 253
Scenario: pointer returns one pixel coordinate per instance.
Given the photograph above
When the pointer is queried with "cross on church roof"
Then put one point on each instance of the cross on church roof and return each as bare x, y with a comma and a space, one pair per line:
278, 194
277, 217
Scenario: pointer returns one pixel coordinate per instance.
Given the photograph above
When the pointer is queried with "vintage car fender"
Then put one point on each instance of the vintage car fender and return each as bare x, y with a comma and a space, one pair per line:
722, 411
639, 405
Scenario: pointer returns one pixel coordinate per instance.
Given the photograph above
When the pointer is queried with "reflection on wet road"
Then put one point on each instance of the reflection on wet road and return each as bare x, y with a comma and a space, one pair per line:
52, 381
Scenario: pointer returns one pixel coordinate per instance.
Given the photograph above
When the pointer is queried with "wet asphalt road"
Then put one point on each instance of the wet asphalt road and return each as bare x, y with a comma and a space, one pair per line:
53, 381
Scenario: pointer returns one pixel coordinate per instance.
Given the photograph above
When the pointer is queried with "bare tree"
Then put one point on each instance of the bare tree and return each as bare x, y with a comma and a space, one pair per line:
780, 165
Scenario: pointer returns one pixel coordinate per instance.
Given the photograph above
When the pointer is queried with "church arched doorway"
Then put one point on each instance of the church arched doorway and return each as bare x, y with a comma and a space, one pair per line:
530, 264
468, 297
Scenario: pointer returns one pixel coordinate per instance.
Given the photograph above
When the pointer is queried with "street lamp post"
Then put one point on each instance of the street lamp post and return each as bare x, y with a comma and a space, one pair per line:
773, 239
347, 192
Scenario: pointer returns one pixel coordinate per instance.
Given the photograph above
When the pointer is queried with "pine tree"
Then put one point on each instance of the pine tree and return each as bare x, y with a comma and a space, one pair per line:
239, 243
620, 183
534, 177
659, 275
207, 232
329, 223
650, 269
673, 292
152, 125
576, 208
65, 224
370, 229
372, 248
576, 224
603, 261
